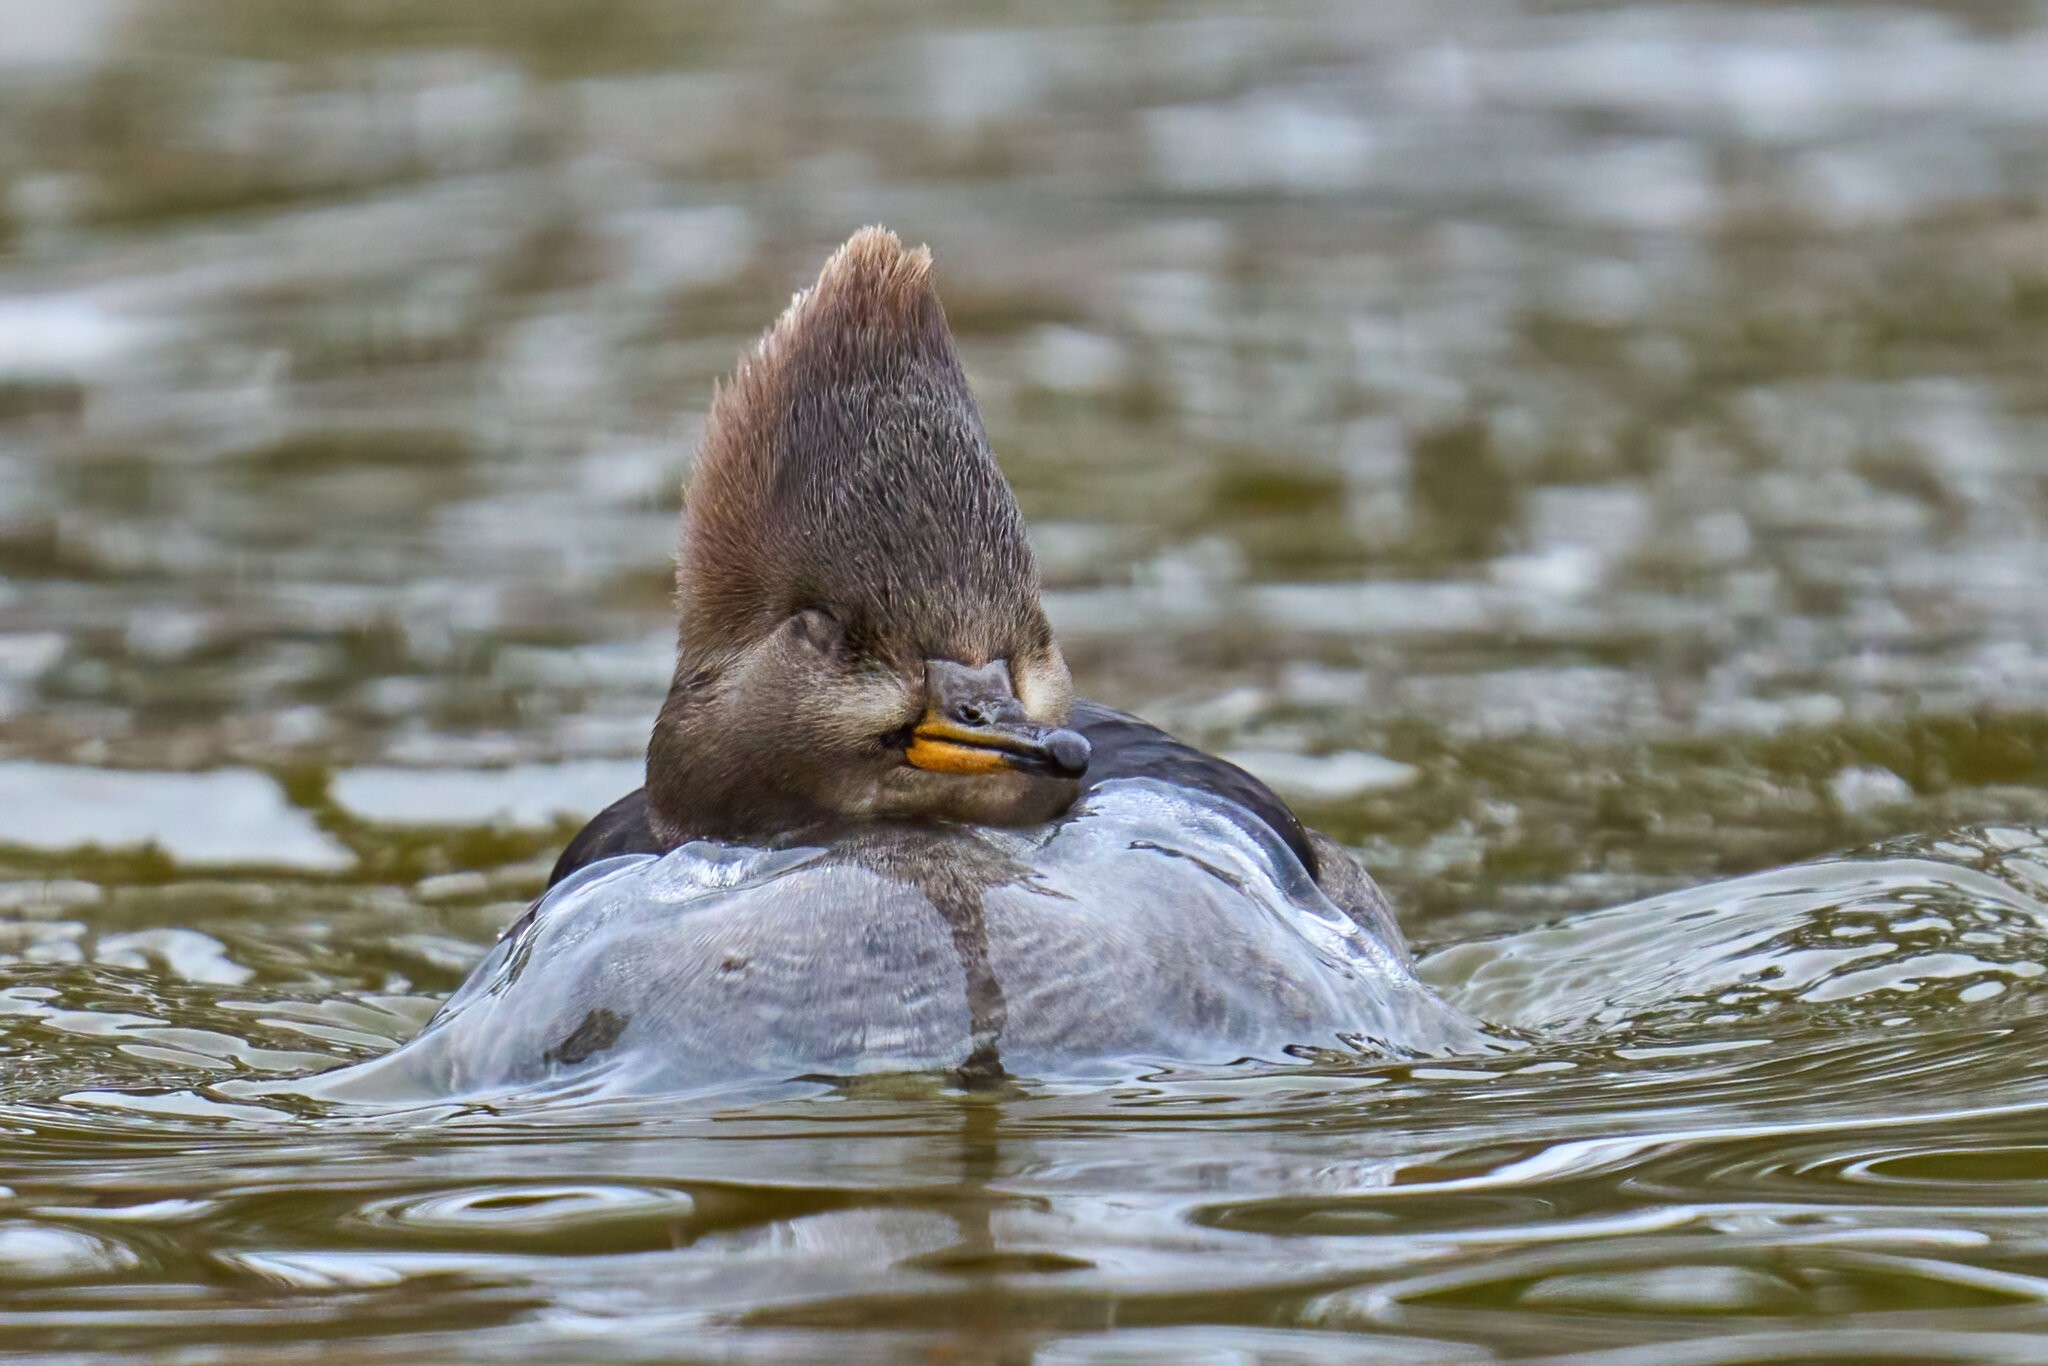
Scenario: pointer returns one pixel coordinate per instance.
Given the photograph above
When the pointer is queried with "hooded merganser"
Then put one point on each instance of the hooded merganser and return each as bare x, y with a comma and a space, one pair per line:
861, 634
878, 830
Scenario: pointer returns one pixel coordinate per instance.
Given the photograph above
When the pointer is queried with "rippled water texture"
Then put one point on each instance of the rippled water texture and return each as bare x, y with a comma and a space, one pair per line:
1590, 458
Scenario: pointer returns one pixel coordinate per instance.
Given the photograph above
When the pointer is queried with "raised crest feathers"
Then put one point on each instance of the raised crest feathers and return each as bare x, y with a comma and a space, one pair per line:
844, 465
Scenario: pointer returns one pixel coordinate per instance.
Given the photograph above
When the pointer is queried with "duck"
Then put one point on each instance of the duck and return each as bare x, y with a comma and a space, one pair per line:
862, 633
879, 830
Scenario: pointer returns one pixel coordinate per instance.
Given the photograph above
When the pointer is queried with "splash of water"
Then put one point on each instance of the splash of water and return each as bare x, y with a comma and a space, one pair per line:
1870, 939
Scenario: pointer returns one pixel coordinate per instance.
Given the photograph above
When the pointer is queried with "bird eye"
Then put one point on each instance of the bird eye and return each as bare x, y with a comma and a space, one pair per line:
819, 629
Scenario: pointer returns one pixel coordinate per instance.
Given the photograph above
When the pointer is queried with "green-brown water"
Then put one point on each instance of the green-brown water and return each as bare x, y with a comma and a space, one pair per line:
1581, 454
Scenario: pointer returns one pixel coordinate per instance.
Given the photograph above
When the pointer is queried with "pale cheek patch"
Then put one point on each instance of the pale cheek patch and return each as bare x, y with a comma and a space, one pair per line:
1045, 689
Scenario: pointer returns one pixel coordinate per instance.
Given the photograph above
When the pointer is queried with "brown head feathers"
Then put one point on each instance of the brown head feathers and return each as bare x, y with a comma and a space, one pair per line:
844, 468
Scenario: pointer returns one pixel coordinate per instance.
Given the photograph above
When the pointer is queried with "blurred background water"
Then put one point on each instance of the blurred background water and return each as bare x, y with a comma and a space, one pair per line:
1577, 453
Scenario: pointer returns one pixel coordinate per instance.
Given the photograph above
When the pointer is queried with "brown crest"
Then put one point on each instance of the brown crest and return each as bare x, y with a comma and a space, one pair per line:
844, 467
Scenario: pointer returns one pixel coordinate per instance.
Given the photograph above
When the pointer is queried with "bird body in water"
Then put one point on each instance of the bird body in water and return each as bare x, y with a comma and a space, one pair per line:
878, 831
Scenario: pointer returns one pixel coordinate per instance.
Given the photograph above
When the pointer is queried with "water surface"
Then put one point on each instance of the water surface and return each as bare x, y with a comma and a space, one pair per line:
1590, 458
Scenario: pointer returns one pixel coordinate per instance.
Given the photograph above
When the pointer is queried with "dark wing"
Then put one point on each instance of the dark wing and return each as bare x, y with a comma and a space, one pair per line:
1125, 747
621, 828
1351, 890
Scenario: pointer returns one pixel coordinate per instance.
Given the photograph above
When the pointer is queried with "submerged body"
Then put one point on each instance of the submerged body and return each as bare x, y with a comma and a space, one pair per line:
1151, 925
